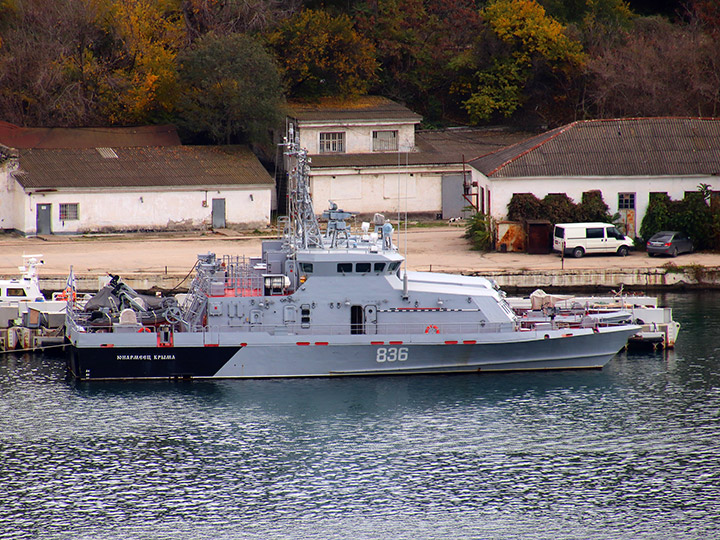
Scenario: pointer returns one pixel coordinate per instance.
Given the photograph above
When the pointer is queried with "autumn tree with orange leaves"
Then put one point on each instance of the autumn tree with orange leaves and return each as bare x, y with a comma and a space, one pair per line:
524, 53
322, 55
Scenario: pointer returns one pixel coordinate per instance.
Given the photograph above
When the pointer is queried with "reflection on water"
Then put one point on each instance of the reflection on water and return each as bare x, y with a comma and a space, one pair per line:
626, 452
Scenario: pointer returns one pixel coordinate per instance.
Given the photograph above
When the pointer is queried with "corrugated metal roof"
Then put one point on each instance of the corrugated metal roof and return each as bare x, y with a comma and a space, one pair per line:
25, 137
177, 166
621, 147
360, 108
439, 147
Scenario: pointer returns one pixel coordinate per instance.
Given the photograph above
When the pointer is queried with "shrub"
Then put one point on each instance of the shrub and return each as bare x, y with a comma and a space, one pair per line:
480, 230
691, 215
524, 206
593, 208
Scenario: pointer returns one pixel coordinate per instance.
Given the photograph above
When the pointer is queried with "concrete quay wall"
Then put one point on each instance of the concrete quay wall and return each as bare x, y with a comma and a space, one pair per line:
655, 278
608, 279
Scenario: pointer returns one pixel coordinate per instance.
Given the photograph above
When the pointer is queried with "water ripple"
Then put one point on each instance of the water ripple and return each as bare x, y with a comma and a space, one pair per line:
629, 453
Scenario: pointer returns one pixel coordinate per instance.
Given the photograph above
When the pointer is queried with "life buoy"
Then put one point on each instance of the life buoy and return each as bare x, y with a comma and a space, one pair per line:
144, 329
432, 328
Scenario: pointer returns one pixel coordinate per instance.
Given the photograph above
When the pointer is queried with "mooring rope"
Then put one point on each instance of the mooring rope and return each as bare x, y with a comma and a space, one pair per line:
33, 350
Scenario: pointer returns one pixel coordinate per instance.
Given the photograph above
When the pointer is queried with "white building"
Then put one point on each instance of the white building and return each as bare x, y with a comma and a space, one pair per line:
367, 156
626, 159
76, 189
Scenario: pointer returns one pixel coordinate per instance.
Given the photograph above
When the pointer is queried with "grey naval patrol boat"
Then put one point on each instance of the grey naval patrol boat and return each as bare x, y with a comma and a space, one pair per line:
327, 304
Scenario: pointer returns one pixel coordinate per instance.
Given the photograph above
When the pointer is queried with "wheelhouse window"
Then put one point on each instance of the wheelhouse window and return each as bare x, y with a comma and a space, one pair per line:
344, 268
306, 268
332, 142
15, 292
362, 267
626, 201
385, 141
69, 211
379, 267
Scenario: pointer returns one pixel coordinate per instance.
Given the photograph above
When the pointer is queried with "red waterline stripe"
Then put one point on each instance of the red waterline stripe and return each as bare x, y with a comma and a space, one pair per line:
377, 343
302, 343
212, 344
395, 342
108, 345
451, 342
321, 343
469, 342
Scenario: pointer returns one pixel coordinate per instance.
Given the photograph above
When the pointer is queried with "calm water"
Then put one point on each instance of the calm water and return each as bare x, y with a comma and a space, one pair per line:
631, 452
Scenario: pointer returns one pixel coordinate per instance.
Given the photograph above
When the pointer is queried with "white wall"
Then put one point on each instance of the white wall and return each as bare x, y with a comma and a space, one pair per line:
153, 209
6, 198
9, 213
502, 189
358, 136
388, 190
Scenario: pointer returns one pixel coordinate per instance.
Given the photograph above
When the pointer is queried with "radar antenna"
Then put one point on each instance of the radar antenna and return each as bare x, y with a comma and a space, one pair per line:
304, 226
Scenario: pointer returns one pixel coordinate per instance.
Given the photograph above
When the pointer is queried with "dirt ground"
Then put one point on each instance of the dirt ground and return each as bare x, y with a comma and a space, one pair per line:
441, 249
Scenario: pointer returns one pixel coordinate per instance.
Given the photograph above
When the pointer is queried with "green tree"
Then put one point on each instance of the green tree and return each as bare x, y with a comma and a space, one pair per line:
232, 89
323, 56
531, 58
419, 43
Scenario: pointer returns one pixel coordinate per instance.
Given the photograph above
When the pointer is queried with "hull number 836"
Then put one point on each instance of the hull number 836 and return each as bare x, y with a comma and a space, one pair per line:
391, 354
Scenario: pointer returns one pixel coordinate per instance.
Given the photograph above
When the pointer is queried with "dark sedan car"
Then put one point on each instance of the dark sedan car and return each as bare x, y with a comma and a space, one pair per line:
669, 243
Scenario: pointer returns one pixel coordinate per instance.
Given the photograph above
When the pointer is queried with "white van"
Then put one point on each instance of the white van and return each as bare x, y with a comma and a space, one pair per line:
577, 239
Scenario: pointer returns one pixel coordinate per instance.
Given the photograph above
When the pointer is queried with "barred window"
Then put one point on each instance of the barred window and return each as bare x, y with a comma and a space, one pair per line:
626, 201
385, 141
68, 211
332, 142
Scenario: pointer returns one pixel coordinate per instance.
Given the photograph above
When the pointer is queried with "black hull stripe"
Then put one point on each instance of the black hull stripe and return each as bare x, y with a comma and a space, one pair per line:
147, 362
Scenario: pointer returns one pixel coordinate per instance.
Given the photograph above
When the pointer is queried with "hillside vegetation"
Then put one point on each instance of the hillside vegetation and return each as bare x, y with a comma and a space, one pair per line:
222, 69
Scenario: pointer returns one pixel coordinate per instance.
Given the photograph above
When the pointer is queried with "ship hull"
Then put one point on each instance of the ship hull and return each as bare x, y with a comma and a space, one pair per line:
266, 356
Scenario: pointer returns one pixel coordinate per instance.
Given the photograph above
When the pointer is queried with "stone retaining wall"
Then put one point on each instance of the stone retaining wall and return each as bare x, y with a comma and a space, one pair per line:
597, 279
675, 277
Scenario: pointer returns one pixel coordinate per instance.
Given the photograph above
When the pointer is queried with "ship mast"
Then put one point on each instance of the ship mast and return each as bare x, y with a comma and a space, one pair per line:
304, 226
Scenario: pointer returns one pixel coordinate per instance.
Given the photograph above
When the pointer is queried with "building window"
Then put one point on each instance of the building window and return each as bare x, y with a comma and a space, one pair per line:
626, 201
69, 211
332, 142
385, 141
